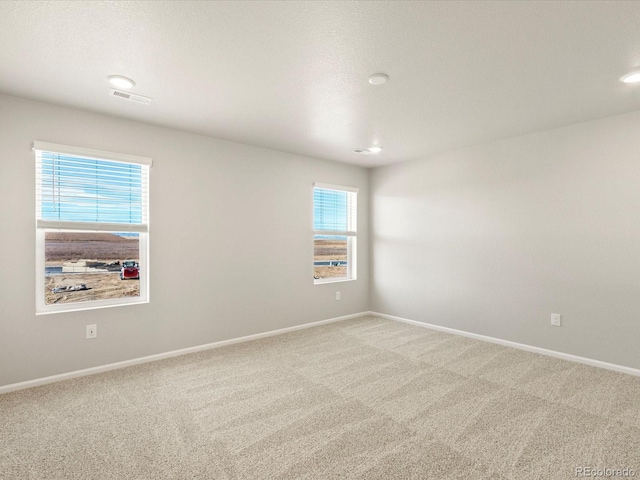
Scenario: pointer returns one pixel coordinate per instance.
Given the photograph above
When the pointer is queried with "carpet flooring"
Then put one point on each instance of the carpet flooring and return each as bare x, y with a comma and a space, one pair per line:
366, 398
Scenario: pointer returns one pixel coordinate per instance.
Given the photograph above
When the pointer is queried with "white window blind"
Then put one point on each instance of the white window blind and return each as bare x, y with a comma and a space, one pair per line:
88, 190
335, 210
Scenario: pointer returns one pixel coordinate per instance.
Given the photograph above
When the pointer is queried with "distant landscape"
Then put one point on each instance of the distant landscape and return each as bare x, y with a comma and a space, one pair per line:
98, 255
74, 246
103, 253
332, 251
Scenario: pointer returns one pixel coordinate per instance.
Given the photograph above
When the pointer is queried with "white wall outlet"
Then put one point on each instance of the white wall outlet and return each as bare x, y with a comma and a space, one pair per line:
337, 295
556, 319
92, 331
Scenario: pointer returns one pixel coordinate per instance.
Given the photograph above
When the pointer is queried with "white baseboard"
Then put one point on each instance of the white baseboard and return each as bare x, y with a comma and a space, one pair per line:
160, 356
184, 351
519, 346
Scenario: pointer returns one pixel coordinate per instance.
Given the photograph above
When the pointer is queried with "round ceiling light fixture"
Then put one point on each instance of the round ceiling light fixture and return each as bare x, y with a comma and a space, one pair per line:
120, 81
631, 77
367, 151
378, 78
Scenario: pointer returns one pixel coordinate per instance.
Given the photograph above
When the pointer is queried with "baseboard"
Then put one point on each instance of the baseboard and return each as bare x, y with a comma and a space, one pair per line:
519, 346
184, 351
160, 356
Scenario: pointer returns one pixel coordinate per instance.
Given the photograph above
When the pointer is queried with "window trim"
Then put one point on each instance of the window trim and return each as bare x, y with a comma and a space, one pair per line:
91, 153
352, 235
43, 226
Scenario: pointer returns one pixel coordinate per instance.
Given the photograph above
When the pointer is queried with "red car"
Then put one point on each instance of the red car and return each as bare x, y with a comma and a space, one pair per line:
130, 269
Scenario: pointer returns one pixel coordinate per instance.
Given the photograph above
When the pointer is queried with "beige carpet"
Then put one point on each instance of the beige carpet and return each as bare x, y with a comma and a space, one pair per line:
366, 398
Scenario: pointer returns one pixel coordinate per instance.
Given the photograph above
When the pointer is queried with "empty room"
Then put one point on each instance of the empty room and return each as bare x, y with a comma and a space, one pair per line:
319, 239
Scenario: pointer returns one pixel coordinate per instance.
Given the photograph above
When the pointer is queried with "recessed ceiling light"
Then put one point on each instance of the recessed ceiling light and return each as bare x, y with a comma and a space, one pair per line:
631, 77
119, 81
378, 78
375, 149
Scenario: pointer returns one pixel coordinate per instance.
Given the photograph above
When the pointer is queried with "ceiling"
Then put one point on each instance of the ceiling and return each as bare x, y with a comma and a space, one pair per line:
293, 75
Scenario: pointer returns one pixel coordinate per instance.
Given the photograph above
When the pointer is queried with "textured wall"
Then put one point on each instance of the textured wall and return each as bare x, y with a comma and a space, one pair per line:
492, 239
230, 246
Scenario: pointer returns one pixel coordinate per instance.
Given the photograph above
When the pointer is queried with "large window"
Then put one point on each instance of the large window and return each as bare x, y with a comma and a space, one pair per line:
92, 227
335, 233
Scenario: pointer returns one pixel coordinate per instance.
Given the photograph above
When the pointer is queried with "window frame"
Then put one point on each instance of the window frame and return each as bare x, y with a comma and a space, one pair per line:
352, 235
43, 226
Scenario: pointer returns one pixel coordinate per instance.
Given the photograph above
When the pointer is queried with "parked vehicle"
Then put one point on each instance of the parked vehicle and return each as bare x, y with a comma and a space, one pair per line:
130, 270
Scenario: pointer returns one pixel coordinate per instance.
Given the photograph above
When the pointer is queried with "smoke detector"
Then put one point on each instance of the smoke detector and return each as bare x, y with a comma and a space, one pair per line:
132, 97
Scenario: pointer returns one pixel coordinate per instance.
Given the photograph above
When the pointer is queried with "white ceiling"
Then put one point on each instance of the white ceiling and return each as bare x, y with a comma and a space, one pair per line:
293, 75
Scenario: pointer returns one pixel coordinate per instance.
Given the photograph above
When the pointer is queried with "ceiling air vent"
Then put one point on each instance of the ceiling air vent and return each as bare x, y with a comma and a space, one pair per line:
132, 97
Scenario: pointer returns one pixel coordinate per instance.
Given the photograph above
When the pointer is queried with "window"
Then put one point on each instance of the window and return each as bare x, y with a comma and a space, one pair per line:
334, 227
92, 228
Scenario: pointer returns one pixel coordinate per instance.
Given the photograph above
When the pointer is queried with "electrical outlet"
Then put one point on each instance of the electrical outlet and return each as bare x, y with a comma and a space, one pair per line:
337, 295
556, 319
92, 331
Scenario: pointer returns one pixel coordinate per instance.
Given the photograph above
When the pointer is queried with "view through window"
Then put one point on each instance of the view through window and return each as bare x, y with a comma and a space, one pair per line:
81, 266
335, 233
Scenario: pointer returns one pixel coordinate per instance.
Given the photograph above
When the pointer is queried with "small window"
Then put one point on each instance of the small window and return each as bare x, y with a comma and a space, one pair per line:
92, 228
335, 233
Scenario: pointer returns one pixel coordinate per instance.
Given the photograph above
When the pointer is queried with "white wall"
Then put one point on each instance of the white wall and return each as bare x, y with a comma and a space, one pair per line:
493, 239
230, 246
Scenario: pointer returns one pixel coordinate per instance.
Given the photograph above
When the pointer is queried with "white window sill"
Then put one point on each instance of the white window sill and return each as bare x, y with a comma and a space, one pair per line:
332, 280
91, 305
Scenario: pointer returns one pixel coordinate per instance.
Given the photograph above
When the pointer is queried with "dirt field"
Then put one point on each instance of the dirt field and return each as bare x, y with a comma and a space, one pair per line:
101, 249
329, 250
101, 286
